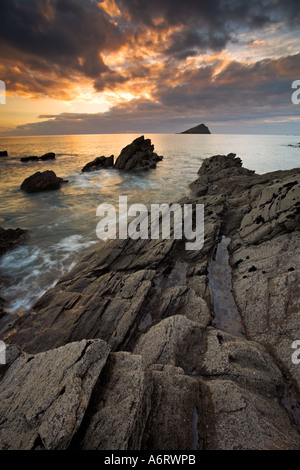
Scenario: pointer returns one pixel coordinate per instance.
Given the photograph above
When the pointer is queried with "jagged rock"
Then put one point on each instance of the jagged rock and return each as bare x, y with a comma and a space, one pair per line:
99, 163
43, 398
219, 169
107, 306
9, 238
200, 129
45, 181
138, 155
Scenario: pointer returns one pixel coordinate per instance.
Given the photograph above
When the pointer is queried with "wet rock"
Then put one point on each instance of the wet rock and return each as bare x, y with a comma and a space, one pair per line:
98, 164
29, 159
45, 181
138, 155
48, 156
9, 238
43, 398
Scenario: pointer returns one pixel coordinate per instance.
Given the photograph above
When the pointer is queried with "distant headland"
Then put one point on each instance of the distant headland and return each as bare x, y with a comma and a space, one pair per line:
200, 129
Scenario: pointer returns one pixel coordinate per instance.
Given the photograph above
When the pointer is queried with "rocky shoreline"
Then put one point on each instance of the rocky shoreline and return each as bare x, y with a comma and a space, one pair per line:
123, 354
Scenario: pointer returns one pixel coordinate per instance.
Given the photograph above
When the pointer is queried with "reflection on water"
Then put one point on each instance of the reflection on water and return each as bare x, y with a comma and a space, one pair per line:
227, 317
62, 224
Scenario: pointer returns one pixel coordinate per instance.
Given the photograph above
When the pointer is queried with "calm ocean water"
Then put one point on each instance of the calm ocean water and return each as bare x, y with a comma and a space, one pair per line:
62, 224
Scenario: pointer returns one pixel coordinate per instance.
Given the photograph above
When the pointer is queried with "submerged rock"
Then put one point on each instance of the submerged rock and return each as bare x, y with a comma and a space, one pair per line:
45, 181
98, 164
9, 238
138, 155
47, 156
29, 159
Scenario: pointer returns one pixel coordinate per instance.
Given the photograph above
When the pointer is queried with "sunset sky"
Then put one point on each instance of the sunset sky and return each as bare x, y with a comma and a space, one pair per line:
88, 67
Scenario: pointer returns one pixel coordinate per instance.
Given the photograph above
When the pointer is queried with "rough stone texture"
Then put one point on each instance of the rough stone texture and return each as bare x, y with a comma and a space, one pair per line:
98, 164
176, 340
45, 181
9, 238
120, 405
246, 421
174, 402
266, 288
138, 155
43, 398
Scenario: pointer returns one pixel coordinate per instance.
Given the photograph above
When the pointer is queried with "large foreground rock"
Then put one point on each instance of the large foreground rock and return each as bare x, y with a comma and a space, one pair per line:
43, 398
137, 155
45, 181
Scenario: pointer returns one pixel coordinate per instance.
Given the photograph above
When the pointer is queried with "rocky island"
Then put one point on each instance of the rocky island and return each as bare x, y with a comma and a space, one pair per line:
200, 129
123, 353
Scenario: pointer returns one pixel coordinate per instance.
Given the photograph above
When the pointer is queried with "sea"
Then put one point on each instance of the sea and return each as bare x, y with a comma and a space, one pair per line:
62, 224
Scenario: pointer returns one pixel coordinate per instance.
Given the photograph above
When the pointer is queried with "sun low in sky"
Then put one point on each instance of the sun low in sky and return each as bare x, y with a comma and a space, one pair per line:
113, 66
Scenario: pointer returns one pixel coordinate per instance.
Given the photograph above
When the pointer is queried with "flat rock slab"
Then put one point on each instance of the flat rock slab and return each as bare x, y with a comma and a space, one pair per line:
43, 398
120, 405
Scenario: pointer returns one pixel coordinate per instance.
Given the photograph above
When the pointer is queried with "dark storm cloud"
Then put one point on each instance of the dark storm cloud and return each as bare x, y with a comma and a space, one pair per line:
237, 87
208, 24
58, 36
213, 13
